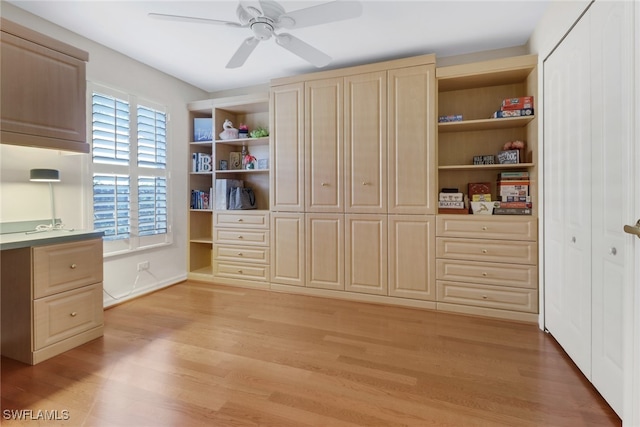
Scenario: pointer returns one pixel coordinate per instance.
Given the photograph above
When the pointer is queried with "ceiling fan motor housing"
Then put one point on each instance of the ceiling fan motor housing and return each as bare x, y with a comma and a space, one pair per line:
262, 28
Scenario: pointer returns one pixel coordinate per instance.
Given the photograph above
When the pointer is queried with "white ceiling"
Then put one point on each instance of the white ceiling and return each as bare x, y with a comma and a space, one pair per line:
198, 53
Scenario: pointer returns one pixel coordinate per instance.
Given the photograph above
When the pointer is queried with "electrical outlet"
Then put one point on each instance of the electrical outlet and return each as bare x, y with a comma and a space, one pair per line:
143, 266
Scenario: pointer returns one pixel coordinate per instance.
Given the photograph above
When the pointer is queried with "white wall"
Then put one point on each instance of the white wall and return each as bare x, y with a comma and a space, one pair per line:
21, 200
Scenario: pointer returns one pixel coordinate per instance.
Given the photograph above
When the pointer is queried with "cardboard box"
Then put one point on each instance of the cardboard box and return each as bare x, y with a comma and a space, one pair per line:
482, 208
517, 103
450, 118
451, 197
513, 113
451, 204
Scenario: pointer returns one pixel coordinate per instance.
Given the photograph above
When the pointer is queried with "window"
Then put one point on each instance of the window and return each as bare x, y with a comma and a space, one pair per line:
130, 179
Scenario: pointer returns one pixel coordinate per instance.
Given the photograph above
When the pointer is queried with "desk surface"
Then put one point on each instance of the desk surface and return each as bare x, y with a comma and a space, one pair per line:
24, 240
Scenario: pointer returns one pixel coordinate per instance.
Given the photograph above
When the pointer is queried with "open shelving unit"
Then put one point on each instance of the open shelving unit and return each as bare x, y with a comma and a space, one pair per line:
252, 110
476, 91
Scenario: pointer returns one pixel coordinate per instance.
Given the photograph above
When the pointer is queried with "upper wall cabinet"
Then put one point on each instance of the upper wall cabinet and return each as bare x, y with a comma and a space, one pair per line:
43, 91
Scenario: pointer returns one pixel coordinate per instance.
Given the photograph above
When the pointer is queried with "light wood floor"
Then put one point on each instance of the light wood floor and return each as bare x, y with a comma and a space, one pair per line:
201, 355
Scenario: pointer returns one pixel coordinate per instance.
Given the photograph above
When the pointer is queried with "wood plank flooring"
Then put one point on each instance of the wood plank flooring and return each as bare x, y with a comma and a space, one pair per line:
196, 354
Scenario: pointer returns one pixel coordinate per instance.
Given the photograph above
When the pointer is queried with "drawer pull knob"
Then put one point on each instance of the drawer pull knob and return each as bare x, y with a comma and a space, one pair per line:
613, 251
240, 254
240, 271
573, 239
240, 237
484, 274
73, 266
365, 183
324, 184
485, 228
485, 297
74, 314
484, 251
240, 220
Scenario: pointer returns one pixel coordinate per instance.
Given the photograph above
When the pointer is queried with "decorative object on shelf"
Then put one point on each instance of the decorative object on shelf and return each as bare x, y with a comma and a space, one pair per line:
263, 163
450, 200
509, 157
259, 132
249, 161
482, 208
229, 132
235, 160
521, 146
223, 192
244, 153
224, 165
201, 162
243, 131
202, 129
49, 176
487, 159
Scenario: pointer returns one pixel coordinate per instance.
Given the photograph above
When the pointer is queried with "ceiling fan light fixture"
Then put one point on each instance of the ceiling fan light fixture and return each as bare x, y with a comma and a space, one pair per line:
262, 29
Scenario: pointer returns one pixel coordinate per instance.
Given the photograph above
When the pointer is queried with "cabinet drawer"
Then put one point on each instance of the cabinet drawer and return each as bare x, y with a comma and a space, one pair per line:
241, 254
488, 296
501, 227
515, 275
241, 237
242, 271
242, 219
511, 252
66, 314
58, 268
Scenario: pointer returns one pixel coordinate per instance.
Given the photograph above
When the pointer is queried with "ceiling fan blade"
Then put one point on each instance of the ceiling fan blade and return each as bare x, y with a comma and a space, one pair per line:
271, 9
192, 19
243, 16
322, 13
243, 52
303, 50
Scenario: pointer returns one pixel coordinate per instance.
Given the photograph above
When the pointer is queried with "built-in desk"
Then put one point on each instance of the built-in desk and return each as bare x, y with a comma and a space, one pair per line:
51, 290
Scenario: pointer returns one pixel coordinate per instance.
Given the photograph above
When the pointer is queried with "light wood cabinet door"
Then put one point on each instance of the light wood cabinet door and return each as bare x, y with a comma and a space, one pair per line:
43, 91
287, 148
365, 116
366, 254
287, 248
325, 251
411, 140
324, 147
412, 270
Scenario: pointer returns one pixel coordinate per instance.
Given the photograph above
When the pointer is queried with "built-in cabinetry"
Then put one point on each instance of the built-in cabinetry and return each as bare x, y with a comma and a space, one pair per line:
352, 148
51, 298
486, 264
357, 159
214, 232
43, 91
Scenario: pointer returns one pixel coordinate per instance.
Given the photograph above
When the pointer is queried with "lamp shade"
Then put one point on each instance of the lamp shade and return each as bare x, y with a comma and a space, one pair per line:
44, 175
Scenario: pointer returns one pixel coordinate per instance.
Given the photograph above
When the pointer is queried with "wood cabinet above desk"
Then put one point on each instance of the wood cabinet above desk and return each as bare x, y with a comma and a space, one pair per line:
43, 91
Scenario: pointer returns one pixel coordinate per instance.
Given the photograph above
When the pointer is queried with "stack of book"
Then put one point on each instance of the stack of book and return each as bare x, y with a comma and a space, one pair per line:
450, 201
515, 107
201, 199
513, 188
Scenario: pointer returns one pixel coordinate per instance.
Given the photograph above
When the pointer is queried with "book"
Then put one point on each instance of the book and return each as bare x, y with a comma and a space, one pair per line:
522, 102
519, 205
451, 204
511, 211
453, 197
521, 175
501, 114
450, 118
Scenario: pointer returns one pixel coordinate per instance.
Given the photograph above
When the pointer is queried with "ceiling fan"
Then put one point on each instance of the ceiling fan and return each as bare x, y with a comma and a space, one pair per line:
271, 17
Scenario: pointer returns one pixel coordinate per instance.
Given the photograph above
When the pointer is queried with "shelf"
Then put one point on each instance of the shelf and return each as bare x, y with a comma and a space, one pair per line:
484, 124
200, 173
496, 166
201, 210
232, 171
205, 240
244, 141
201, 143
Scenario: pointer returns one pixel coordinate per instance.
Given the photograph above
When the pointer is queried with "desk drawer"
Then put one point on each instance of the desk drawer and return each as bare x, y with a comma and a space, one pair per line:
241, 254
511, 252
58, 268
241, 237
514, 275
64, 315
232, 219
501, 227
242, 271
488, 296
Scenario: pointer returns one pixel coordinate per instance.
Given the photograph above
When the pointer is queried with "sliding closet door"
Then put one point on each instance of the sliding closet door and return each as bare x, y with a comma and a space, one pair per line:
612, 100
567, 190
